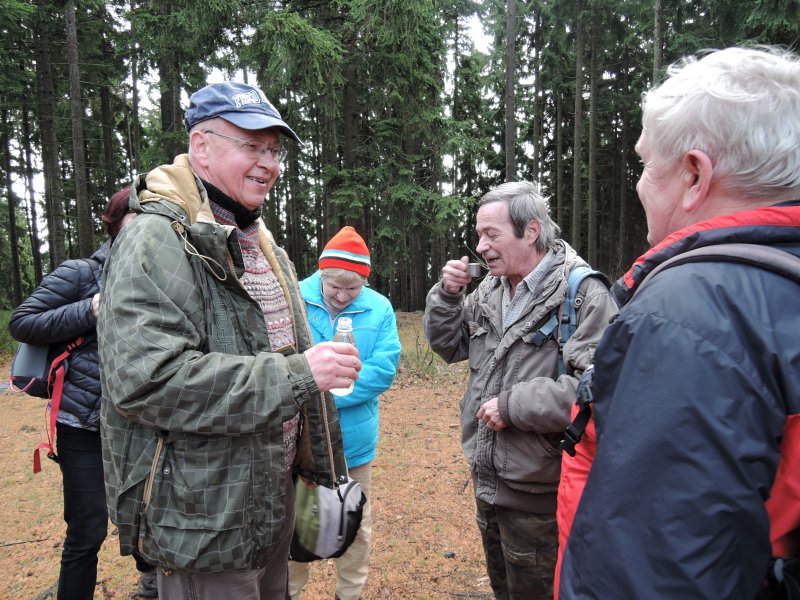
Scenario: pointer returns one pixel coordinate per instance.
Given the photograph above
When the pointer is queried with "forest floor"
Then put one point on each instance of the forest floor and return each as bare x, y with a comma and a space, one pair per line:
426, 545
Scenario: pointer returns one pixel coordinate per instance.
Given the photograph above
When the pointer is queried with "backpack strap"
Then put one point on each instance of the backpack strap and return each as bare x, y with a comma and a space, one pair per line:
55, 378
569, 310
765, 257
574, 431
564, 318
758, 255
569, 323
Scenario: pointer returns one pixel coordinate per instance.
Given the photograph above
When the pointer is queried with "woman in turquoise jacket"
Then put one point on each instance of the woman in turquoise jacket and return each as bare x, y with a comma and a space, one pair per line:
338, 290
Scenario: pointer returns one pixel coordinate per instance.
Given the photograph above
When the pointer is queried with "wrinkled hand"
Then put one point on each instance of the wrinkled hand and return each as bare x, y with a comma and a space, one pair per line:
333, 364
96, 305
454, 275
489, 414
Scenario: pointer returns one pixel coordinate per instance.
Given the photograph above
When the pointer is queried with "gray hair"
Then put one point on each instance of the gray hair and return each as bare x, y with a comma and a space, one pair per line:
342, 277
525, 204
741, 106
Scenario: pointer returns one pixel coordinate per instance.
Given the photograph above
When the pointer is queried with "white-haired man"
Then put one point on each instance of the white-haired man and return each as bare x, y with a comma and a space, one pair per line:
696, 388
213, 387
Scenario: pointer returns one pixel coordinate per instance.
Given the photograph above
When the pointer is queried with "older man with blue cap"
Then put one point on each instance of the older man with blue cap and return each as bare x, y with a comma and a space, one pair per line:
215, 391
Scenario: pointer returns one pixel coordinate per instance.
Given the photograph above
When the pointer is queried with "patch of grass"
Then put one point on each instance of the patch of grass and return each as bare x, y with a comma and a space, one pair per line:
419, 360
8, 345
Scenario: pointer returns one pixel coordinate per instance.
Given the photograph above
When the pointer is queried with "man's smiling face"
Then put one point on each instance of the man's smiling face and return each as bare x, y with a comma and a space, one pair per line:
237, 173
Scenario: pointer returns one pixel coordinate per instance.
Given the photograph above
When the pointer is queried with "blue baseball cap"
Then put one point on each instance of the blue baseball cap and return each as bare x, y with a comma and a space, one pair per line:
243, 105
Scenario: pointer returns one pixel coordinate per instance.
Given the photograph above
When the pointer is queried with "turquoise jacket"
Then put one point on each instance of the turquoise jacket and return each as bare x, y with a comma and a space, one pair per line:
375, 331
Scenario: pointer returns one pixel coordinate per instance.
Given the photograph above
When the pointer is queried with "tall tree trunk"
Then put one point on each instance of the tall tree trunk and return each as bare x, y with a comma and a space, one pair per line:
134, 141
538, 94
592, 196
170, 89
578, 133
456, 105
49, 138
83, 207
270, 206
326, 217
294, 224
560, 200
349, 133
658, 41
623, 229
168, 102
33, 220
108, 142
294, 210
511, 121
5, 147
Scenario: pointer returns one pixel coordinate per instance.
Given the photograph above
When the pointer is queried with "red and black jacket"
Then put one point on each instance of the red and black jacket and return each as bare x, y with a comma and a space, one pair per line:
695, 482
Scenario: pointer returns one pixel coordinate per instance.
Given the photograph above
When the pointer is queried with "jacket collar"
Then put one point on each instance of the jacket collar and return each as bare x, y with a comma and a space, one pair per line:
552, 289
776, 224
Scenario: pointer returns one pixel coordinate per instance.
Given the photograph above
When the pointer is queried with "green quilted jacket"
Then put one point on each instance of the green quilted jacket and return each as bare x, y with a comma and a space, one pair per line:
192, 429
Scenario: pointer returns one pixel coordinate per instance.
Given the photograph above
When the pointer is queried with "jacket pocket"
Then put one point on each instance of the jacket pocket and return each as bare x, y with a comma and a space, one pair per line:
199, 516
526, 460
477, 346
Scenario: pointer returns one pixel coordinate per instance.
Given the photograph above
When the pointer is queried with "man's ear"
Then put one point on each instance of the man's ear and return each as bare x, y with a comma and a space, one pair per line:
532, 230
698, 171
198, 142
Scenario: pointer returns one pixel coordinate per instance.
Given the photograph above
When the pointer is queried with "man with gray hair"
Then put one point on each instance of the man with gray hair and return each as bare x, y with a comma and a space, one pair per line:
517, 402
215, 392
696, 386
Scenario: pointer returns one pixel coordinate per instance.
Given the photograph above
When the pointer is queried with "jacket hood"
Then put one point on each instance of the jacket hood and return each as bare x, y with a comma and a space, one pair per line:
774, 225
177, 184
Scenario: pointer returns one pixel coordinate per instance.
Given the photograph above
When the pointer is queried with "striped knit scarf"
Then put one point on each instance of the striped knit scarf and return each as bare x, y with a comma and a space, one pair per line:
259, 280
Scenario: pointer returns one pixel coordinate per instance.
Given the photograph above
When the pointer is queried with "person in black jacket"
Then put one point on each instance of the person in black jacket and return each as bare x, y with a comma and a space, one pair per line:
63, 308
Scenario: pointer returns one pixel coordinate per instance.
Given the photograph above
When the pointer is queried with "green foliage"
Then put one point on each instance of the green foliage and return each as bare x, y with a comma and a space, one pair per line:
14, 14
8, 345
417, 360
401, 116
774, 22
160, 141
284, 36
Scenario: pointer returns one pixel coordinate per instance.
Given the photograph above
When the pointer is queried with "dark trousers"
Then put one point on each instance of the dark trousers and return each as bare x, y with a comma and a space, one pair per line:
81, 461
520, 550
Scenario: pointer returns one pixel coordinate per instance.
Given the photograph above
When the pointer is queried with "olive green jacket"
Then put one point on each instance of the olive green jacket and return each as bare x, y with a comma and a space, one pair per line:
192, 425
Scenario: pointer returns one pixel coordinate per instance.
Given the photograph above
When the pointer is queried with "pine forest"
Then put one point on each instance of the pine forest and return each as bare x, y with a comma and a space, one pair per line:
409, 111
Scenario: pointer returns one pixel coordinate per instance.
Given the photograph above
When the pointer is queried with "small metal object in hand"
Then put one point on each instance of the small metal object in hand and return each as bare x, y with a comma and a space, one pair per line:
474, 269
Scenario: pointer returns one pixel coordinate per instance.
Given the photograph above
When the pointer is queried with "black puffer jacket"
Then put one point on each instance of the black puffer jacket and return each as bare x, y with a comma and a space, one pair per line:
60, 311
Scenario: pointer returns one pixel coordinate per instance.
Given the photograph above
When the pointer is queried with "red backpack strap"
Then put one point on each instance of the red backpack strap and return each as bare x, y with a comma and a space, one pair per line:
55, 378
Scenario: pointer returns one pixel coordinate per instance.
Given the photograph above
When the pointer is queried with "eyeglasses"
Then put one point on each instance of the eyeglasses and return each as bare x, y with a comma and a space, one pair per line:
255, 149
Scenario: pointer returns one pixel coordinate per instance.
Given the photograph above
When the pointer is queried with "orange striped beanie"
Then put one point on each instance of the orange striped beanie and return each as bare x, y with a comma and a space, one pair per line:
346, 250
